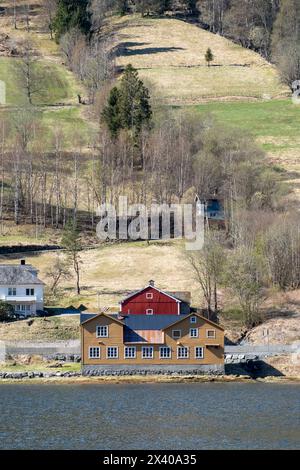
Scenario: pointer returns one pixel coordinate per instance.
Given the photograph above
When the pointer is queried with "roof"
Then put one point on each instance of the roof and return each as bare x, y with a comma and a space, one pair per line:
138, 322
151, 322
18, 275
86, 317
143, 336
194, 314
146, 322
152, 287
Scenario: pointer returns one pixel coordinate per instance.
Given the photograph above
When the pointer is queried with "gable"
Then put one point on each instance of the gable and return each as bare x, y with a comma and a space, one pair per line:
87, 318
158, 295
203, 319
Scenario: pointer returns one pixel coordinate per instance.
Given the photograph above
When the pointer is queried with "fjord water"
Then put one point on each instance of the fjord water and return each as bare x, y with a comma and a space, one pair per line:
150, 416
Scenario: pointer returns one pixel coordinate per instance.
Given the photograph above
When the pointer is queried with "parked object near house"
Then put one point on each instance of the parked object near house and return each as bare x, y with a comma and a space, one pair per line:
155, 334
21, 287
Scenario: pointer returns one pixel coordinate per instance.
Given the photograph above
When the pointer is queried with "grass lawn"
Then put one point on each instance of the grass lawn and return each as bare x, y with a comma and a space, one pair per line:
58, 85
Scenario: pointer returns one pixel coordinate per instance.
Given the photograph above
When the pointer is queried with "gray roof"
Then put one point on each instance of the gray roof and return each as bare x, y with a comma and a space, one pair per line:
18, 275
141, 322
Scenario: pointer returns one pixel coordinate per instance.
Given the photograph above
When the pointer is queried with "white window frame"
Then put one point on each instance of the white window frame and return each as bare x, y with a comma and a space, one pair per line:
183, 347
202, 356
129, 347
176, 337
149, 295
165, 348
12, 292
145, 348
149, 310
30, 291
211, 337
112, 347
100, 335
98, 356
193, 319
197, 333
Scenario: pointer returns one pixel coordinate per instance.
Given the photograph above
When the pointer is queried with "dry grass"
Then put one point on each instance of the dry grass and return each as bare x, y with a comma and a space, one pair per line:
115, 270
169, 53
40, 329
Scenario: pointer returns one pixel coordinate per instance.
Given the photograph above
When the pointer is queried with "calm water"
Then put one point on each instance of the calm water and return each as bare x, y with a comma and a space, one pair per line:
158, 416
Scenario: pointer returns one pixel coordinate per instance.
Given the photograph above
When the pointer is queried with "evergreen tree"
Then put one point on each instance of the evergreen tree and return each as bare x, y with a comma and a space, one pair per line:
209, 57
129, 106
135, 107
71, 14
111, 113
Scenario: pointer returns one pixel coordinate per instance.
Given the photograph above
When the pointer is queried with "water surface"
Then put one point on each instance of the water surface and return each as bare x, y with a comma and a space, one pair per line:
150, 416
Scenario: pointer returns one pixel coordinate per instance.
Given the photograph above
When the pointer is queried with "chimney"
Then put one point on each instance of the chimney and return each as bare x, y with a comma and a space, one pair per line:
151, 283
23, 262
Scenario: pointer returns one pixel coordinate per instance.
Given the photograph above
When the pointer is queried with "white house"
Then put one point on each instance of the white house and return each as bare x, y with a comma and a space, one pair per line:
21, 287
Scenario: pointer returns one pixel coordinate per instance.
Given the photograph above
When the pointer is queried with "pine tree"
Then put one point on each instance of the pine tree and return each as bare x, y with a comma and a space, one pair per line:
111, 113
134, 101
129, 106
71, 14
209, 57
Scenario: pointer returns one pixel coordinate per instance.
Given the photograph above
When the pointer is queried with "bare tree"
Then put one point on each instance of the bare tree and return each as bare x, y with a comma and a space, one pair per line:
28, 72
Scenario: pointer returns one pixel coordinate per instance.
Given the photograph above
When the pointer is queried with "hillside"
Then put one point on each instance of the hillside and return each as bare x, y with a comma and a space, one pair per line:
57, 102
169, 54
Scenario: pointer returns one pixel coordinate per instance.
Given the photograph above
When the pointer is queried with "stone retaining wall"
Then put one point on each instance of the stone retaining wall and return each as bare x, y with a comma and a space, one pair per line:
100, 370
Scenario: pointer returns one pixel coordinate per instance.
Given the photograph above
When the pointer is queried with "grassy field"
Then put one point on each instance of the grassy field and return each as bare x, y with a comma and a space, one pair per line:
169, 54
58, 85
40, 329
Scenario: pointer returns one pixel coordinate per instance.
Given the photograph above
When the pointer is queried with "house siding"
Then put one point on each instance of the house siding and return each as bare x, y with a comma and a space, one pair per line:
161, 304
212, 355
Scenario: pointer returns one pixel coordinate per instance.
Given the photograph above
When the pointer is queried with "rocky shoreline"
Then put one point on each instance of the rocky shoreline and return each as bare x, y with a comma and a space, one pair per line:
77, 378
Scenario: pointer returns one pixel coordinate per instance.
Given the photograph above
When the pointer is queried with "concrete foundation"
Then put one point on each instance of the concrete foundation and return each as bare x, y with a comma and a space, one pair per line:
163, 369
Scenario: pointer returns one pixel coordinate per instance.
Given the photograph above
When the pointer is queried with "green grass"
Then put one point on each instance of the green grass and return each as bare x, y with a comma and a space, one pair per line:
58, 85
275, 123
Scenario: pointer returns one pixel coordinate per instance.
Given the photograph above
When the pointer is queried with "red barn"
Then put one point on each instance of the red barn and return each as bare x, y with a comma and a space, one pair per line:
153, 301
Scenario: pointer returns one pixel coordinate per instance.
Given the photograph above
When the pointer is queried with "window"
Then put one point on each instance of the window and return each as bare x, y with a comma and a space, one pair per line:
112, 352
12, 291
147, 352
94, 353
193, 319
149, 295
210, 333
102, 331
21, 308
199, 352
164, 353
193, 332
29, 291
176, 334
130, 352
182, 352
149, 311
